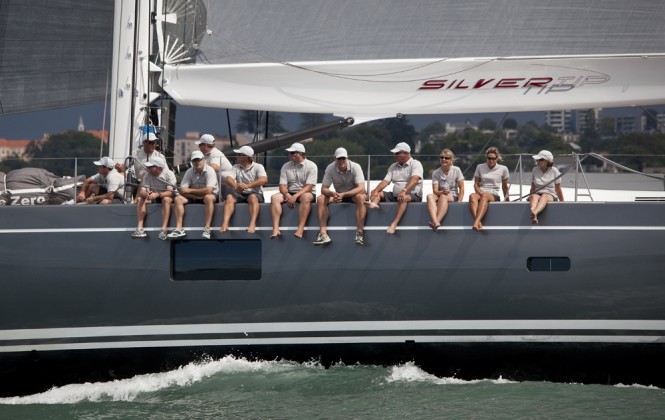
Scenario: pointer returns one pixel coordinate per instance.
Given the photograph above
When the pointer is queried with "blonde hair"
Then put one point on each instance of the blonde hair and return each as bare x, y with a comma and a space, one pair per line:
450, 153
495, 151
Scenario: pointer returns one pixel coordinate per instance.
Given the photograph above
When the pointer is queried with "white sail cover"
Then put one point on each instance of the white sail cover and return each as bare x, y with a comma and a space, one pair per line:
379, 57
54, 54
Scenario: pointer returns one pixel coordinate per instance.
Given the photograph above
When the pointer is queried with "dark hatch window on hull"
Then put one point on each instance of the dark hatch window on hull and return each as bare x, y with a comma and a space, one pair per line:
216, 259
548, 264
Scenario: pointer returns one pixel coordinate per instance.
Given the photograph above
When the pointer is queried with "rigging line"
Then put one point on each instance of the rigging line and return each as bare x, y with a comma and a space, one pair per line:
106, 99
650, 114
498, 128
620, 166
360, 77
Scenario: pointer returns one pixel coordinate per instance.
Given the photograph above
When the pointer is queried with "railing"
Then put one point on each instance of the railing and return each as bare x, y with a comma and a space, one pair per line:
572, 167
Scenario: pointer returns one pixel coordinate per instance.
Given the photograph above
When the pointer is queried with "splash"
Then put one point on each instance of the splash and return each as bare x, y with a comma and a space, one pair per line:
129, 389
409, 372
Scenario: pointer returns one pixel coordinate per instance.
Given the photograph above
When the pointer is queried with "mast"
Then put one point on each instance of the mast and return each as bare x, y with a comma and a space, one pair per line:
130, 68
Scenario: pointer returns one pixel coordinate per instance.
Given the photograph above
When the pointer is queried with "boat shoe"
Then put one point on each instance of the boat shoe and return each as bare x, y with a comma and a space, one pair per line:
177, 233
139, 233
322, 239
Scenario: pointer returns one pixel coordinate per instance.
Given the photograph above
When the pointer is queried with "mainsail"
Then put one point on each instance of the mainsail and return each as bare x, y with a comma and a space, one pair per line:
54, 54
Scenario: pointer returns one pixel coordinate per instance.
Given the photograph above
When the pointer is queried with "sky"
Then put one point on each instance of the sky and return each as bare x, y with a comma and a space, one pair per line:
32, 126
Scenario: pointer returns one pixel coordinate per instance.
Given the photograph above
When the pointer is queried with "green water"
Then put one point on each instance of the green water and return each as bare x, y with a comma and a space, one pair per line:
235, 388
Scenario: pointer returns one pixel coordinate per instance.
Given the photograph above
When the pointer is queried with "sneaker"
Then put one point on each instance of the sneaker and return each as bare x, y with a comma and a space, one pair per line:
360, 240
162, 235
206, 233
322, 239
177, 233
139, 233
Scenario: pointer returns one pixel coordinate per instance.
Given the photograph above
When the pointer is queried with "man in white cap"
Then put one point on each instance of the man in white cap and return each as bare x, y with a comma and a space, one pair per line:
158, 186
217, 161
406, 174
106, 187
349, 187
545, 184
143, 154
199, 185
297, 183
247, 180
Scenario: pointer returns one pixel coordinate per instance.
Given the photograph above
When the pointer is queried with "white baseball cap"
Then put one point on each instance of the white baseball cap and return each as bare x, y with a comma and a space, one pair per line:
156, 161
341, 152
544, 154
245, 150
149, 137
401, 147
206, 139
105, 161
196, 154
296, 147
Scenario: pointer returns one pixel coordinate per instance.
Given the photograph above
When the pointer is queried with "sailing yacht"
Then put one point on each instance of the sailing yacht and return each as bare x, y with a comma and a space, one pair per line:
579, 297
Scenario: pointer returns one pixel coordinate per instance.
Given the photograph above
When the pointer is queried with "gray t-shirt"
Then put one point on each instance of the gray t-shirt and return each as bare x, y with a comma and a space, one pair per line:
244, 175
114, 181
166, 181
296, 176
207, 178
491, 179
400, 175
218, 158
540, 179
343, 181
451, 178
140, 158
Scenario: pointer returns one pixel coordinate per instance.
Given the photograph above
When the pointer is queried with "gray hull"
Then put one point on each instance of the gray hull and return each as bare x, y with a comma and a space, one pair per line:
579, 297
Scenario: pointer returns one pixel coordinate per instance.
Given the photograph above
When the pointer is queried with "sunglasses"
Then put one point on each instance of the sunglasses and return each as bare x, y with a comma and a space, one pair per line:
444, 157
491, 158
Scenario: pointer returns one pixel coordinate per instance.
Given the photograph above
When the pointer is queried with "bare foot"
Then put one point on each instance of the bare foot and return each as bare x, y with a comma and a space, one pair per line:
391, 229
223, 229
298, 234
434, 226
534, 220
251, 229
477, 226
275, 233
371, 204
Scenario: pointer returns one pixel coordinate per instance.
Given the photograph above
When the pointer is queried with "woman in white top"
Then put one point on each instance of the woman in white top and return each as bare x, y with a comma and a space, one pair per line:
545, 183
488, 179
447, 186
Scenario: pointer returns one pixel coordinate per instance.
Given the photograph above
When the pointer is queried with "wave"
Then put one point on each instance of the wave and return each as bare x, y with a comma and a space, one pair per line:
409, 372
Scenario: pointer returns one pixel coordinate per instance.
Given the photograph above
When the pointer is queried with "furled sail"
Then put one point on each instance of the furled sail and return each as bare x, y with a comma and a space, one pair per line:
54, 53
378, 58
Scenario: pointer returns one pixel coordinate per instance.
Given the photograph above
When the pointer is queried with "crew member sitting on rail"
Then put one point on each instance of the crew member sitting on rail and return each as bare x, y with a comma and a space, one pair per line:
143, 154
297, 183
349, 183
406, 174
199, 185
487, 180
106, 187
216, 159
247, 180
545, 184
157, 186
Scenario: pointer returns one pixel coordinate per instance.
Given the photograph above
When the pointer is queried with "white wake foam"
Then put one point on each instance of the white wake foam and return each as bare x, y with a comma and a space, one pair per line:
409, 372
129, 389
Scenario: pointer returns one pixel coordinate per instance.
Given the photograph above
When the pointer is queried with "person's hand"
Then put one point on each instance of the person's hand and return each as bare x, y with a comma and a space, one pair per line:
291, 200
401, 196
337, 198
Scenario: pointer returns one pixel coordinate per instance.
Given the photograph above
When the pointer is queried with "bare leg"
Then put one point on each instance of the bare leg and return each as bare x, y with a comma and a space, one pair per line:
140, 210
538, 205
276, 213
166, 212
303, 212
322, 212
180, 202
432, 209
483, 204
229, 208
401, 208
361, 211
209, 203
253, 208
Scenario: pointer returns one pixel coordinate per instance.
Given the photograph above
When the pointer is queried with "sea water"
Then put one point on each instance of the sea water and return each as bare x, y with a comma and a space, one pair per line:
236, 388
